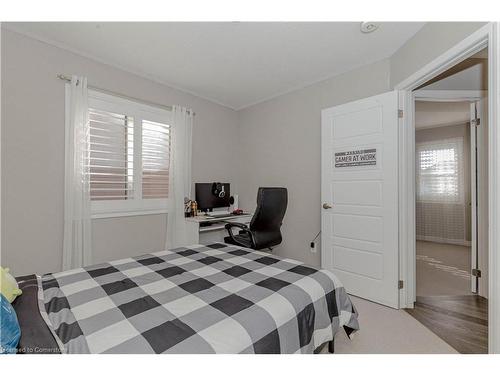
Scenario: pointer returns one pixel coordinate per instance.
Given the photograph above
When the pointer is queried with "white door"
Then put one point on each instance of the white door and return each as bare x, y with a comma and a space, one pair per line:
479, 197
359, 191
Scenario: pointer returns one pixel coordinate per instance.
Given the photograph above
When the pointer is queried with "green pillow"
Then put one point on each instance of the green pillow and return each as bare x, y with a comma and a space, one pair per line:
8, 285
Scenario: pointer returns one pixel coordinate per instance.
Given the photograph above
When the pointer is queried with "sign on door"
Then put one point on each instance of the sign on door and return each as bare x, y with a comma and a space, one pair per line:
356, 158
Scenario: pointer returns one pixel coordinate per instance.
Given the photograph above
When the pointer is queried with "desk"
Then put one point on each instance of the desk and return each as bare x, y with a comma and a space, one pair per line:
203, 229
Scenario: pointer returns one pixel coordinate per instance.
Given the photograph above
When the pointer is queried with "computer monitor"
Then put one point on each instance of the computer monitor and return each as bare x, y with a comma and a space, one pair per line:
207, 200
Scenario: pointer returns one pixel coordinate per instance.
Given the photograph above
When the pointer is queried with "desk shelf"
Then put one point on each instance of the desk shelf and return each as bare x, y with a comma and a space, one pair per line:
216, 232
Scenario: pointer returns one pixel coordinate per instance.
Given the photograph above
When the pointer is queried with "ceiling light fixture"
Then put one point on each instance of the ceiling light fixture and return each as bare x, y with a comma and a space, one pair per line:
368, 27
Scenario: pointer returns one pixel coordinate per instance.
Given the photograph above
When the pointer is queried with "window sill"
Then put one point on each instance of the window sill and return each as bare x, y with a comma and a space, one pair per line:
105, 215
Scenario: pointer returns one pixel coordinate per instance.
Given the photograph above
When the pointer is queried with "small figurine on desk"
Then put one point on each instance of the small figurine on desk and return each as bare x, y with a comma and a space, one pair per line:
238, 211
194, 208
187, 207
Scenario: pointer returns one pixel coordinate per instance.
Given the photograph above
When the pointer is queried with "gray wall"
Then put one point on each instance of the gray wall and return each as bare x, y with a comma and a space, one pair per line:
431, 41
33, 154
280, 146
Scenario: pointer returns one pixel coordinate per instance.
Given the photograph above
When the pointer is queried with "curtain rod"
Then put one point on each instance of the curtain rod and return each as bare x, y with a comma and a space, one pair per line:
167, 107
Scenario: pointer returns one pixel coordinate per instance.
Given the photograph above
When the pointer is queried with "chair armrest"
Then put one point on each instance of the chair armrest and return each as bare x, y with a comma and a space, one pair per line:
243, 228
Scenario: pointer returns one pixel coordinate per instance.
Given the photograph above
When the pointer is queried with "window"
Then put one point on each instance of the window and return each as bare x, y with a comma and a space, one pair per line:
440, 171
129, 156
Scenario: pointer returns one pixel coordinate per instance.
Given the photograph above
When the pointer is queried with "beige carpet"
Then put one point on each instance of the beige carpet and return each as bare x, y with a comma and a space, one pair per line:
442, 269
390, 331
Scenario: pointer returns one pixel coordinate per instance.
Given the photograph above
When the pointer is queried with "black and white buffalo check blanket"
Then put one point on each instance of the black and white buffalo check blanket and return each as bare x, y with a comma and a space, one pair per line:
198, 299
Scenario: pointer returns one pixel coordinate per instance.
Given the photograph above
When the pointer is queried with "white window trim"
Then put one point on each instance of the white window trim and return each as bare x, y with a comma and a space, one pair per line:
139, 111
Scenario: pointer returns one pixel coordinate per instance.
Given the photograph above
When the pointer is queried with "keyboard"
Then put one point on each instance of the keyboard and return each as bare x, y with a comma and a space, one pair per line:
220, 215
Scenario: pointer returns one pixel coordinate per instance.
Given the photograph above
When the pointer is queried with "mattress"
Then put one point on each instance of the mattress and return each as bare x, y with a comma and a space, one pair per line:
36, 337
214, 298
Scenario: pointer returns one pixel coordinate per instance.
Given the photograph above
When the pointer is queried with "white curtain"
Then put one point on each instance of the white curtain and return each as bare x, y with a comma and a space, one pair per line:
77, 251
180, 181
440, 194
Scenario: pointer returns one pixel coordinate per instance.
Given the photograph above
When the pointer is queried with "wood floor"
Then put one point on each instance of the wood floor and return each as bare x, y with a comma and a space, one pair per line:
461, 321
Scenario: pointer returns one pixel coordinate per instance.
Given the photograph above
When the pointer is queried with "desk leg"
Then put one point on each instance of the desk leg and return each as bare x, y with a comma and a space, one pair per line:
192, 232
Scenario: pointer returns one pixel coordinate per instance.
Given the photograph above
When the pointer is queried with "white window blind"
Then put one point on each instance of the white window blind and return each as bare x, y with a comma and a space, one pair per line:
440, 171
129, 156
111, 155
155, 159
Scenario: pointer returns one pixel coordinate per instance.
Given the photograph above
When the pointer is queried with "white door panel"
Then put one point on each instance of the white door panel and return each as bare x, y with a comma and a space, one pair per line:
361, 123
359, 182
359, 262
357, 227
363, 193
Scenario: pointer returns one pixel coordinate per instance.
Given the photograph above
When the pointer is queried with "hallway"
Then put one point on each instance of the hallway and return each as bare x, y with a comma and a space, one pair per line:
445, 303
442, 269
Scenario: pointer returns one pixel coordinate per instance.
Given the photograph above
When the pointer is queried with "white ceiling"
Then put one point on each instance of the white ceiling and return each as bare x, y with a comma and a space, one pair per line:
435, 114
235, 64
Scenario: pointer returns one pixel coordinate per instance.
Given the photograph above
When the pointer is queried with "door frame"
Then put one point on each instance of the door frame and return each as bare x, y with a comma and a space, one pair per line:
450, 95
447, 96
487, 36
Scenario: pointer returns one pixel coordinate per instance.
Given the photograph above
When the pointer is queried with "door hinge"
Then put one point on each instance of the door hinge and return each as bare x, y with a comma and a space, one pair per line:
476, 272
400, 113
476, 122
400, 284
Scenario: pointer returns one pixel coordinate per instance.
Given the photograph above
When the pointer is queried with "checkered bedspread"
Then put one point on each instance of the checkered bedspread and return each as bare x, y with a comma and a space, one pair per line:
198, 299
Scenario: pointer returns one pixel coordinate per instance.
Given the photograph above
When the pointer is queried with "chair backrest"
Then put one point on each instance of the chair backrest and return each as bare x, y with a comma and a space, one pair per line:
268, 217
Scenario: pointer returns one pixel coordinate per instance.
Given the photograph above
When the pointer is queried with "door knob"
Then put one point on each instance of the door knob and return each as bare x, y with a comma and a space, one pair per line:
326, 206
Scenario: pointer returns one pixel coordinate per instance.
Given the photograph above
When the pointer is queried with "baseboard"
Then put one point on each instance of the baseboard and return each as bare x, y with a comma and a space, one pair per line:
444, 240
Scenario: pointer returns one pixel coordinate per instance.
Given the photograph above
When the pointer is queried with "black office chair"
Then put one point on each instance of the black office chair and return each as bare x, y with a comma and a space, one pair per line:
264, 231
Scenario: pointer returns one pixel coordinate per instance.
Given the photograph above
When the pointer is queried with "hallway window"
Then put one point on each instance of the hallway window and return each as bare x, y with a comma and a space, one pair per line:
440, 171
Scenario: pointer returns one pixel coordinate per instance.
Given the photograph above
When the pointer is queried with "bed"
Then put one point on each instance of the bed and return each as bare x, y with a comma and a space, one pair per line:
214, 298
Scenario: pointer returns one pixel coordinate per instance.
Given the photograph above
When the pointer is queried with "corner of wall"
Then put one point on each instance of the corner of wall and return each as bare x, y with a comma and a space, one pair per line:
428, 43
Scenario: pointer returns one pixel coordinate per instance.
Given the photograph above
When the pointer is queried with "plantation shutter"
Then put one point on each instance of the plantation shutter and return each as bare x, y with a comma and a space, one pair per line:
155, 159
111, 155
